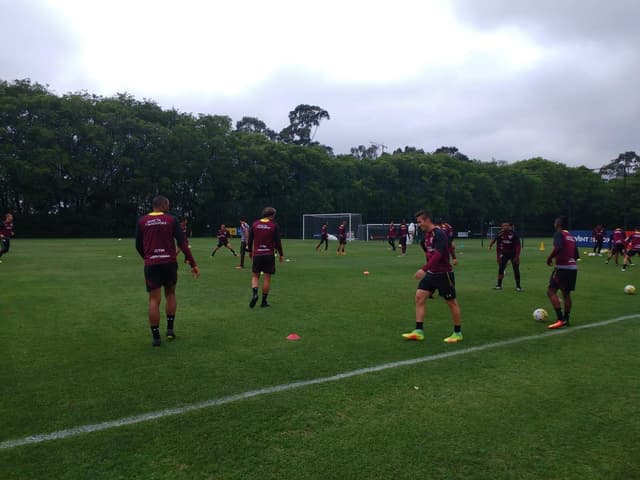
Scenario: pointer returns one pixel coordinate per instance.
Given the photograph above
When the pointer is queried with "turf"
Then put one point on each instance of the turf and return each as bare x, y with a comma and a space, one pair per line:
76, 351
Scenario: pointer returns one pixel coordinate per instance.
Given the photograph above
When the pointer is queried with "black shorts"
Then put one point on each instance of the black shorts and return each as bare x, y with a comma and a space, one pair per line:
264, 263
403, 240
631, 253
161, 275
506, 257
444, 283
618, 248
223, 243
562, 279
342, 240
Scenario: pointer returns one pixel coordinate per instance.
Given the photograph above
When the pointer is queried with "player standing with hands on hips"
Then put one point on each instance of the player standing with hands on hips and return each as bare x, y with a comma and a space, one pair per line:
264, 240
156, 236
436, 274
563, 278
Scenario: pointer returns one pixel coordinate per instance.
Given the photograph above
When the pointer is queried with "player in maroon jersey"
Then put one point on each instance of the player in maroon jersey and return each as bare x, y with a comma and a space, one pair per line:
391, 235
510, 246
264, 240
342, 237
633, 247
563, 278
402, 236
223, 241
435, 275
6, 233
448, 229
598, 235
616, 244
156, 236
324, 237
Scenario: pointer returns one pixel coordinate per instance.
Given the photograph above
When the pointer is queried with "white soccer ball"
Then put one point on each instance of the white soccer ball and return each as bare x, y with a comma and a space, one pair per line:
629, 289
540, 315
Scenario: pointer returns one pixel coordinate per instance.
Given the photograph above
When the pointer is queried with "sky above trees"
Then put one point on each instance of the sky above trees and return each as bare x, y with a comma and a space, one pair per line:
499, 79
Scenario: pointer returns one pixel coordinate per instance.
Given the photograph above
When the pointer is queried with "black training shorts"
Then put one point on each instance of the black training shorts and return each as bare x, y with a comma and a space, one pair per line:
563, 279
160, 275
264, 263
444, 283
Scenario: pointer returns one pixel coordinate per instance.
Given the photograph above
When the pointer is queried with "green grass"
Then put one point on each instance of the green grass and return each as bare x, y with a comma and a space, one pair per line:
76, 350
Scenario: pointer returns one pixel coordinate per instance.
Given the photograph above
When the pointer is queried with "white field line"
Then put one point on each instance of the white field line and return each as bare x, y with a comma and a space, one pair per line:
214, 402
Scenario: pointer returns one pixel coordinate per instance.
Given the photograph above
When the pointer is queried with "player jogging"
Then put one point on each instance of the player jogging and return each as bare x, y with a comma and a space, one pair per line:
391, 235
563, 278
324, 238
156, 234
402, 238
6, 233
342, 237
633, 247
436, 274
264, 240
510, 246
616, 244
223, 241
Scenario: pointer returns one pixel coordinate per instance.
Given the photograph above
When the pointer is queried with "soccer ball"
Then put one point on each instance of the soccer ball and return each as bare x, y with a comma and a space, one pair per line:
540, 315
629, 289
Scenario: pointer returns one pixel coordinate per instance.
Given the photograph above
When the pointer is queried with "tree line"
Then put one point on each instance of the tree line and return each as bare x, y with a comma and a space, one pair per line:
85, 165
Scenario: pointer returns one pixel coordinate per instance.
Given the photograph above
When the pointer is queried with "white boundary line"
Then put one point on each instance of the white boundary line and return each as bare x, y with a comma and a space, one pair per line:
214, 402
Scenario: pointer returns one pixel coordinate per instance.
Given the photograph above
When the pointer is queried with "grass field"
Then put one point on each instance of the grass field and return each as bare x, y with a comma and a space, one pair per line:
76, 351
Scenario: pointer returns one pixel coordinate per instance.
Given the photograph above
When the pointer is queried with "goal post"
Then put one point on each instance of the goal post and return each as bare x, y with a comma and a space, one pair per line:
373, 231
312, 223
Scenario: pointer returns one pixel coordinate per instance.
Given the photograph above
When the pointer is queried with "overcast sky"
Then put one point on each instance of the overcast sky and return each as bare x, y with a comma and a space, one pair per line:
499, 79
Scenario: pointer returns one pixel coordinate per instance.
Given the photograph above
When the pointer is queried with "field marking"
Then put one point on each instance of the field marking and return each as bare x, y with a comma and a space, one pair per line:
214, 402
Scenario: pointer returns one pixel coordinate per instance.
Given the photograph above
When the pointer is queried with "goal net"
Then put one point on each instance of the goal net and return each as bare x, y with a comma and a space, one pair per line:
373, 231
312, 224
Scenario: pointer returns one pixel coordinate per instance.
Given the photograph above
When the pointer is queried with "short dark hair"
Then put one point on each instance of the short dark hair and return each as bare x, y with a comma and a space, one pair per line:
159, 201
562, 221
424, 214
268, 212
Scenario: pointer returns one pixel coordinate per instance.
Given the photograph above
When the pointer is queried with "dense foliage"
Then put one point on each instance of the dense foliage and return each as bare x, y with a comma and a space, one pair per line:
79, 164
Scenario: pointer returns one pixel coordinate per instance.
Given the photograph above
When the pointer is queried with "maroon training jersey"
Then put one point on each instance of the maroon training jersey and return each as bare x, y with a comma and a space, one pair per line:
391, 233
633, 241
598, 234
404, 231
155, 234
342, 232
324, 233
6, 229
223, 235
618, 236
565, 250
437, 252
509, 242
264, 238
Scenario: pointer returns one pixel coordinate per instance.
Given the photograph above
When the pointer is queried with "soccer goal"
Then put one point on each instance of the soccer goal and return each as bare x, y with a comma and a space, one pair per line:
373, 231
312, 223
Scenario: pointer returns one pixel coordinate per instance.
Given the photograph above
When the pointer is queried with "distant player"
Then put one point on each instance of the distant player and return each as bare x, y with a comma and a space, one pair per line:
435, 275
563, 278
223, 241
156, 236
402, 236
412, 231
598, 238
616, 244
264, 240
244, 239
510, 247
184, 227
391, 235
342, 238
324, 238
633, 247
6, 233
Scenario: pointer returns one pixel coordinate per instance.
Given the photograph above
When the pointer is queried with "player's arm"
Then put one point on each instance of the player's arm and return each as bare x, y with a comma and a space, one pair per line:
557, 247
278, 243
518, 243
184, 246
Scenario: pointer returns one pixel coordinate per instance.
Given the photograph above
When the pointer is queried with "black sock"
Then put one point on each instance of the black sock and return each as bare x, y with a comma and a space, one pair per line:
255, 291
419, 325
566, 316
155, 332
457, 328
264, 297
170, 319
559, 315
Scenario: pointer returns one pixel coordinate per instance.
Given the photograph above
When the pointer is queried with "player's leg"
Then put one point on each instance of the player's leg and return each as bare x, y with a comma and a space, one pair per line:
447, 290
229, 247
326, 244
171, 306
243, 252
255, 283
568, 303
501, 267
516, 274
266, 288
421, 309
155, 297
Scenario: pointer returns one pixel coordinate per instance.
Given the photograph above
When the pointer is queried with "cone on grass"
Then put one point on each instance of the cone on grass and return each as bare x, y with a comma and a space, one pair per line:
293, 336
541, 248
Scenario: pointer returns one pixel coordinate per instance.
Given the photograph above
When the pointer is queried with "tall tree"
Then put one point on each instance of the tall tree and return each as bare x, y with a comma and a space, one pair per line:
303, 120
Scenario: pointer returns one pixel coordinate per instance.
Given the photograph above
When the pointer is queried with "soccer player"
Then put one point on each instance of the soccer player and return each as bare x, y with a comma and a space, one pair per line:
244, 238
412, 231
264, 240
391, 235
185, 231
156, 234
510, 246
436, 274
6, 232
598, 238
342, 237
324, 238
633, 247
563, 278
616, 244
404, 233
223, 241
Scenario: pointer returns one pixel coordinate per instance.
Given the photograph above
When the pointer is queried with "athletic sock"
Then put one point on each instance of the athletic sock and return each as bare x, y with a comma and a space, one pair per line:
457, 328
255, 291
559, 315
566, 316
264, 297
419, 325
170, 319
155, 331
